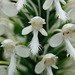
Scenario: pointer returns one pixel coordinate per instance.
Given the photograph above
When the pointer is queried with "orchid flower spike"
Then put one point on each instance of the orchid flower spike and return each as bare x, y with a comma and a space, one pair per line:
8, 8
20, 4
68, 36
48, 61
59, 11
36, 25
20, 50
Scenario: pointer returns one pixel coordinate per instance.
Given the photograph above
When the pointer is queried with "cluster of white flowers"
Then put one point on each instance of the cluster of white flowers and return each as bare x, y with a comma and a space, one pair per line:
12, 50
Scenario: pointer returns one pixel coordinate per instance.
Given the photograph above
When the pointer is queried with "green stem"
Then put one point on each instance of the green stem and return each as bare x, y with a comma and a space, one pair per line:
34, 7
47, 20
65, 71
4, 62
3, 19
39, 7
68, 4
19, 42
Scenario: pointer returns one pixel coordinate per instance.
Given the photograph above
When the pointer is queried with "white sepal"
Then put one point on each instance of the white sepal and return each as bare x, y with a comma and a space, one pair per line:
39, 67
47, 4
22, 51
27, 30
56, 40
9, 9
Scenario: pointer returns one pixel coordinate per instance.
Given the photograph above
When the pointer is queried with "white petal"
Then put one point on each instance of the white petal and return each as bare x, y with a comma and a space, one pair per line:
9, 9
70, 48
63, 2
22, 51
43, 32
27, 30
56, 40
47, 4
54, 66
39, 67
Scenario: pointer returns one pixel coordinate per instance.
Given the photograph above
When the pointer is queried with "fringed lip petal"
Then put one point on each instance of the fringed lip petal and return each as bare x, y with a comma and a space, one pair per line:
12, 66
27, 30
56, 40
47, 4
70, 48
59, 11
34, 45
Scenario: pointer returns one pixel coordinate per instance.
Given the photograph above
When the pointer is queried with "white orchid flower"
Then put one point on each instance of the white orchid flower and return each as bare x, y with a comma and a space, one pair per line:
48, 61
8, 8
19, 50
70, 9
66, 34
59, 11
20, 4
36, 25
